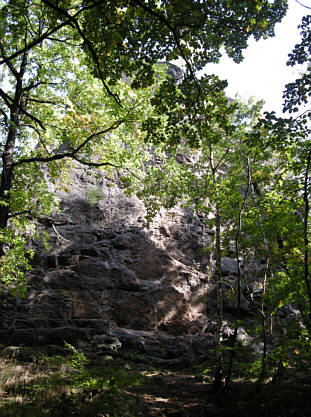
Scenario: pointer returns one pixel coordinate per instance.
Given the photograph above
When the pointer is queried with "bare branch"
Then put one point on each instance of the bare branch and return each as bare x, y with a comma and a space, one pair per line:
221, 160
303, 5
302, 114
59, 236
47, 221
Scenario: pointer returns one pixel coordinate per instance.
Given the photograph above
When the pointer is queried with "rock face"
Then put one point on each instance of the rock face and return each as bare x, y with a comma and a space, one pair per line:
109, 283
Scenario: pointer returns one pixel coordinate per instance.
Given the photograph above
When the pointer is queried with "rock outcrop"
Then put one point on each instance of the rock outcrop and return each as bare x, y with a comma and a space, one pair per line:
113, 285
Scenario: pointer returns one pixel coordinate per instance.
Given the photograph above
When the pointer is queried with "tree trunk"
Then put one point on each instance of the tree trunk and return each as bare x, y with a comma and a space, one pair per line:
262, 374
7, 171
237, 256
306, 237
16, 111
218, 383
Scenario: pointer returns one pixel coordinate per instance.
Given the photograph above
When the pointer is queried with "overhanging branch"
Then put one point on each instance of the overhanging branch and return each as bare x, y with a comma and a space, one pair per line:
101, 164
72, 154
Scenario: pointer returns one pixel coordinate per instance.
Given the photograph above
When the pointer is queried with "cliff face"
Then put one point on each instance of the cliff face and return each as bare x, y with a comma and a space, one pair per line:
110, 284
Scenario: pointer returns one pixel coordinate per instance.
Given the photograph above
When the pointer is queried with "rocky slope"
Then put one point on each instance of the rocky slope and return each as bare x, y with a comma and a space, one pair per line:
110, 284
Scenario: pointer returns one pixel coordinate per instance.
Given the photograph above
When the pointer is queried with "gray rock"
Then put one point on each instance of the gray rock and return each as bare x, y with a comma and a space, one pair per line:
106, 344
229, 266
110, 284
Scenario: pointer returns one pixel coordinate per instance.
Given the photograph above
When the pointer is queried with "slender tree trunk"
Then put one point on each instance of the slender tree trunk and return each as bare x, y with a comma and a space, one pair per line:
218, 379
306, 237
262, 374
239, 276
218, 383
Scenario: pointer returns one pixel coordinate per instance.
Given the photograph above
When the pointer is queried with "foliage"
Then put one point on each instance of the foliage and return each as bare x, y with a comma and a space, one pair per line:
299, 91
59, 385
77, 375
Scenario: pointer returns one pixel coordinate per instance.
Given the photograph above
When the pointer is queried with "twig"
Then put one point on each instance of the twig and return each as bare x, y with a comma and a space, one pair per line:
303, 5
59, 236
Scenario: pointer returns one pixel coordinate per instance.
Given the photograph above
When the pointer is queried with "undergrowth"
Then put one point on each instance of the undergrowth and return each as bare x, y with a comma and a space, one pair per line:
71, 385
66, 386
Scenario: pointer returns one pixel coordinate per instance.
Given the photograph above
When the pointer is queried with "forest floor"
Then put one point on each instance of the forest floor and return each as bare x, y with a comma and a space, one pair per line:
62, 387
181, 395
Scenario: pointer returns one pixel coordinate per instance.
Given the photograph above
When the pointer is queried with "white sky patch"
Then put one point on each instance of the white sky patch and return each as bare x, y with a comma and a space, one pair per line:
263, 72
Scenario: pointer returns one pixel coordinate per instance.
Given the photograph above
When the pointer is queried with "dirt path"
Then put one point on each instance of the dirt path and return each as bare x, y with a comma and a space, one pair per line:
179, 395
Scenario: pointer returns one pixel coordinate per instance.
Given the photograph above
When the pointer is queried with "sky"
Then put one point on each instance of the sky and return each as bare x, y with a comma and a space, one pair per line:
263, 72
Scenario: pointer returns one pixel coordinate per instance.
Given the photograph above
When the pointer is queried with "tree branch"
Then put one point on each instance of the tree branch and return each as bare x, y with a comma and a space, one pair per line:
65, 42
306, 224
24, 59
20, 213
307, 7
6, 120
48, 33
175, 36
34, 118
58, 235
89, 46
41, 101
9, 64
95, 164
72, 154
100, 164
6, 98
32, 85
